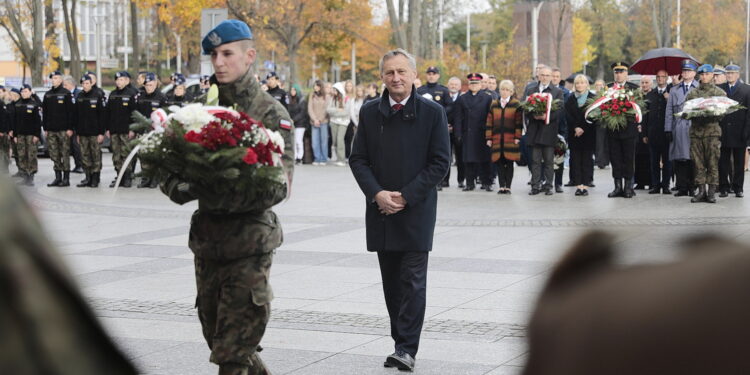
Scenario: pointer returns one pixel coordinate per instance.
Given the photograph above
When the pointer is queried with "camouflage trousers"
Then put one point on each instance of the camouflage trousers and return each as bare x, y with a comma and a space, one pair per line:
233, 310
91, 153
4, 153
705, 153
120, 149
26, 154
58, 144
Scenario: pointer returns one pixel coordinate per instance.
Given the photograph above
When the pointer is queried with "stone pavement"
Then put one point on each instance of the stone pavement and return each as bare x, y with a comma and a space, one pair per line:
492, 254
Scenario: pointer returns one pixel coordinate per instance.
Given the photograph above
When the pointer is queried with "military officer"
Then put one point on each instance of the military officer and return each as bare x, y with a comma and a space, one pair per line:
677, 130
89, 122
622, 142
26, 128
149, 100
705, 139
439, 93
57, 111
735, 135
470, 118
272, 81
179, 95
120, 107
234, 238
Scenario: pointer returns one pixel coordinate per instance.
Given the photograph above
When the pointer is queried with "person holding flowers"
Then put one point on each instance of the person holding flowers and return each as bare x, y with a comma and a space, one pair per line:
234, 232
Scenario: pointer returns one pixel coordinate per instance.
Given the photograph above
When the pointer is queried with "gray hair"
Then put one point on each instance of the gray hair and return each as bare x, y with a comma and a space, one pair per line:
454, 78
507, 84
397, 52
69, 79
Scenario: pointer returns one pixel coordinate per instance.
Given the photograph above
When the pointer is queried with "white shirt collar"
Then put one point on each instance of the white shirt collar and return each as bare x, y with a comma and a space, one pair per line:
393, 102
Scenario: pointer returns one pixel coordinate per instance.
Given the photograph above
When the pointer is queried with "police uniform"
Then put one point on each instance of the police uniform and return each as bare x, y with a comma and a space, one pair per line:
277, 92
147, 103
57, 108
120, 107
441, 95
89, 123
621, 144
471, 110
27, 125
705, 142
234, 238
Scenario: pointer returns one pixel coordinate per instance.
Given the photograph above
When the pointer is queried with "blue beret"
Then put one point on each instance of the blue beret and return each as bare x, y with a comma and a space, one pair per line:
55, 73
122, 74
733, 68
689, 65
718, 69
226, 32
705, 68
149, 77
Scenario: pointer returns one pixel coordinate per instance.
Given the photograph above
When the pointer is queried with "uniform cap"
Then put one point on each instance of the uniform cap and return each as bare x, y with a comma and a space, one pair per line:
733, 68
149, 77
689, 65
271, 74
705, 68
433, 69
205, 77
620, 66
226, 32
474, 77
17, 91
179, 80
718, 69
85, 77
25, 86
122, 74
55, 73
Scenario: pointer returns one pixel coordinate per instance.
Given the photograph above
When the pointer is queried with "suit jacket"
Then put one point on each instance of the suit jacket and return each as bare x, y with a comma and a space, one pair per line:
406, 151
653, 122
735, 127
537, 132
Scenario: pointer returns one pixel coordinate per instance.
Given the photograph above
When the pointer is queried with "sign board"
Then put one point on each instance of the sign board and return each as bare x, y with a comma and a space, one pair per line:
109, 63
124, 49
210, 17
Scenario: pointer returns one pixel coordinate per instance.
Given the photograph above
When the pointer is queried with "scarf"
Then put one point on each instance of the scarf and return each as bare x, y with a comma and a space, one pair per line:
581, 97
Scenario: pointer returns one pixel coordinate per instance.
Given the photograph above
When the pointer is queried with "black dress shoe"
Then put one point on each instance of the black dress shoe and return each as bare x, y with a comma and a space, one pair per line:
739, 194
501, 191
559, 189
584, 193
468, 188
570, 183
666, 191
578, 192
446, 184
548, 192
534, 191
487, 187
591, 184
654, 191
461, 185
639, 187
723, 194
400, 360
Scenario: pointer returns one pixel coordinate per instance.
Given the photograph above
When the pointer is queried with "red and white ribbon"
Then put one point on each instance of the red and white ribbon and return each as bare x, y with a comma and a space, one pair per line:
609, 96
548, 98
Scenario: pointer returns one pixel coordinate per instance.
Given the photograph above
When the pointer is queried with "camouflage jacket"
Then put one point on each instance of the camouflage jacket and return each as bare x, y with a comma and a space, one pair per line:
232, 226
705, 127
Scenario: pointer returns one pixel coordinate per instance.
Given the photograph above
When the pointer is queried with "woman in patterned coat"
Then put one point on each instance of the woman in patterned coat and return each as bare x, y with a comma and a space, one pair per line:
504, 130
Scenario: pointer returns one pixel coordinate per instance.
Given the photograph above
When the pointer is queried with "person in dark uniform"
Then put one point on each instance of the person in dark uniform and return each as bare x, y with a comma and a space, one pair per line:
120, 107
14, 95
272, 81
4, 130
454, 88
653, 125
148, 101
57, 110
179, 95
622, 142
541, 136
75, 149
471, 110
440, 94
735, 135
89, 123
95, 87
26, 128
677, 131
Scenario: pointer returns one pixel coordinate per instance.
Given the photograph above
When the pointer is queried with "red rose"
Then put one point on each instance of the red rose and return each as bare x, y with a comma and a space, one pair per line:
615, 107
250, 157
629, 104
192, 137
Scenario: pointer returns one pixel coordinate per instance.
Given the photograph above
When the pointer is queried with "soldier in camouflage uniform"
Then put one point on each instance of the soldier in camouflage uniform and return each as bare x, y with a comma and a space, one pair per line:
120, 107
234, 237
705, 139
57, 110
45, 323
26, 127
89, 120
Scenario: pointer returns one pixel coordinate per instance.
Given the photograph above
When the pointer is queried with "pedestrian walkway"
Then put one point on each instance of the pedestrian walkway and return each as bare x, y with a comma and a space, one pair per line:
491, 256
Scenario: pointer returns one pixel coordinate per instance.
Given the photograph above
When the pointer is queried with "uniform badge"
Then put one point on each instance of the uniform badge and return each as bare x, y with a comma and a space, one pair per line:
285, 124
59, 102
215, 39
437, 98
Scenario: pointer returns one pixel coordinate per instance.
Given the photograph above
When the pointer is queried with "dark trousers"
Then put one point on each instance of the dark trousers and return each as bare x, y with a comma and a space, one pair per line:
458, 150
75, 151
602, 147
447, 178
732, 169
481, 170
404, 277
348, 138
504, 172
642, 175
622, 157
559, 173
684, 174
542, 166
661, 166
582, 166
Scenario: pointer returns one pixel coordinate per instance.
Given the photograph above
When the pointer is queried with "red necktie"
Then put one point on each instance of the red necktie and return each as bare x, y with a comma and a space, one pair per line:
397, 106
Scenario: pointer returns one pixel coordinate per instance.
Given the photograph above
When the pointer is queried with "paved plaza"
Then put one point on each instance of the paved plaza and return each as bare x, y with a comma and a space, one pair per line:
491, 256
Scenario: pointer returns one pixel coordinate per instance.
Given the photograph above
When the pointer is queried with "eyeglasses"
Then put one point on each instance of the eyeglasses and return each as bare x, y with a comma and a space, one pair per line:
475, 82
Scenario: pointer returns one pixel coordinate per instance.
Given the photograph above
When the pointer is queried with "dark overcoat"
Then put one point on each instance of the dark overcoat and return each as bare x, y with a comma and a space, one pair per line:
539, 133
574, 117
406, 151
735, 127
470, 116
656, 106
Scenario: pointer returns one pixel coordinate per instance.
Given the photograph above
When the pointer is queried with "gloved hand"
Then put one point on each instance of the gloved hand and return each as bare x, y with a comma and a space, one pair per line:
669, 137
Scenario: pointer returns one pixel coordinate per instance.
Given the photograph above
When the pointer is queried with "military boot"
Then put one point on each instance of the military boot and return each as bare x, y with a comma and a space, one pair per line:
629, 192
66, 179
29, 181
94, 183
144, 182
701, 196
711, 196
127, 180
618, 189
233, 369
153, 184
57, 181
85, 182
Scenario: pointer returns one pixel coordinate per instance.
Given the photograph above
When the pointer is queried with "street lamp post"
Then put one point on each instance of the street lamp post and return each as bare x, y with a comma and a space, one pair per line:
535, 33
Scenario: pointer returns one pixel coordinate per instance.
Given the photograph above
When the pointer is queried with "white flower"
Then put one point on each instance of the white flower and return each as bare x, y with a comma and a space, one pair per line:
277, 139
192, 116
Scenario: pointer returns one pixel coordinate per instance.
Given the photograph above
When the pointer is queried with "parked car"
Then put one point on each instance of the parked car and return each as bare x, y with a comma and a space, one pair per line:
192, 87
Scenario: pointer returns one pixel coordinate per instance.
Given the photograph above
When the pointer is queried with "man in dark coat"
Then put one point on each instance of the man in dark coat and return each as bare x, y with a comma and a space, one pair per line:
440, 94
541, 137
400, 154
735, 135
454, 87
57, 121
470, 125
653, 125
622, 142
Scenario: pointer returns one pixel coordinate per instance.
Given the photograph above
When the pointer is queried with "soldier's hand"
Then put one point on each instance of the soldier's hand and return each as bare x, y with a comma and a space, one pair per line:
579, 132
35, 140
99, 139
69, 133
78, 139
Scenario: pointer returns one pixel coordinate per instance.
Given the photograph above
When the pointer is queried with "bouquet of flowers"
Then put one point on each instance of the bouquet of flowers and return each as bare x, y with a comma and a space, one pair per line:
540, 104
616, 108
217, 149
714, 107
561, 149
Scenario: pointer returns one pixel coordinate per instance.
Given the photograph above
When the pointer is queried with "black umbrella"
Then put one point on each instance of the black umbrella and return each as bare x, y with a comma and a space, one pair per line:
669, 59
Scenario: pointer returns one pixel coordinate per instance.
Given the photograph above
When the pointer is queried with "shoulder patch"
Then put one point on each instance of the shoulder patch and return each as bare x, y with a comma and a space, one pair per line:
285, 124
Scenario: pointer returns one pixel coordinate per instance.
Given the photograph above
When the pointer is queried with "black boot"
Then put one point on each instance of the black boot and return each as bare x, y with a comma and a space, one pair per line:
77, 169
144, 183
701, 196
711, 196
66, 179
127, 180
154, 183
29, 181
85, 182
618, 189
629, 191
114, 180
94, 183
57, 181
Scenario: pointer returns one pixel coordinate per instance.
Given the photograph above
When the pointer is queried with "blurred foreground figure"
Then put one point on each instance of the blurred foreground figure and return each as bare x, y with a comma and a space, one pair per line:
687, 317
45, 326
